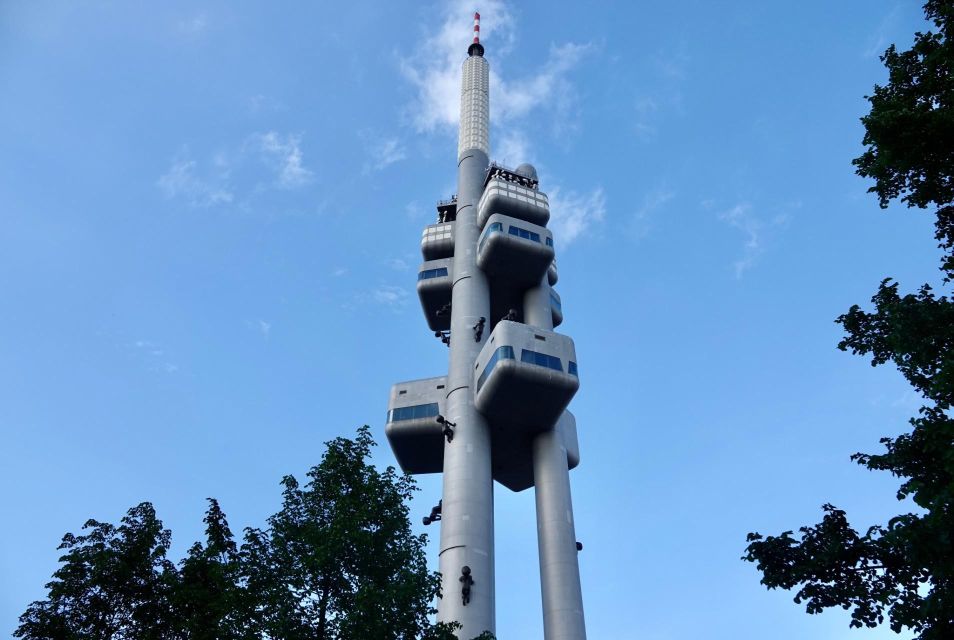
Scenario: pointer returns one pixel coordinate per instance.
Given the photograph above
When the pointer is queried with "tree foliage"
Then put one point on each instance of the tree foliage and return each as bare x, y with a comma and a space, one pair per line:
337, 562
901, 571
115, 582
339, 559
909, 132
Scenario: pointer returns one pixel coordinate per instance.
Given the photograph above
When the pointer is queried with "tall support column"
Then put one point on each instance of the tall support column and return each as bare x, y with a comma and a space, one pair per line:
556, 533
467, 522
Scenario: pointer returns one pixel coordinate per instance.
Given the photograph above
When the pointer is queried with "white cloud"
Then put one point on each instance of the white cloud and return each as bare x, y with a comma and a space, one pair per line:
182, 181
194, 25
757, 230
213, 183
516, 99
152, 354
512, 148
652, 202
260, 103
390, 296
434, 70
265, 328
413, 210
398, 264
339, 271
285, 155
741, 217
384, 152
573, 214
878, 40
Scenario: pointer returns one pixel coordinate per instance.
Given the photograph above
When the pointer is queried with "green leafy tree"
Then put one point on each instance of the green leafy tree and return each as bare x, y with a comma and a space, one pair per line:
901, 571
339, 560
208, 600
115, 582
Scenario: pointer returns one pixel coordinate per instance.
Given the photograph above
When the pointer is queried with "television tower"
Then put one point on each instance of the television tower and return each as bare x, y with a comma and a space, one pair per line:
500, 412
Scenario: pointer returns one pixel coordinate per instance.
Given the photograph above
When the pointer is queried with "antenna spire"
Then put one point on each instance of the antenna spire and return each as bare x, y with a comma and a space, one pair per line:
476, 49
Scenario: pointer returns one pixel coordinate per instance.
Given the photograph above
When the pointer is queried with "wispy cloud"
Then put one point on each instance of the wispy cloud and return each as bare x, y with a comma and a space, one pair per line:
263, 161
741, 217
662, 92
193, 25
154, 356
390, 296
652, 202
434, 70
265, 328
878, 40
182, 180
260, 103
755, 229
512, 148
398, 264
572, 214
383, 152
284, 154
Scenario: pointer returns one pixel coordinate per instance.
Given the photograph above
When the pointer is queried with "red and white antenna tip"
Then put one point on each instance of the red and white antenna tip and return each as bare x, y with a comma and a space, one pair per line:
476, 28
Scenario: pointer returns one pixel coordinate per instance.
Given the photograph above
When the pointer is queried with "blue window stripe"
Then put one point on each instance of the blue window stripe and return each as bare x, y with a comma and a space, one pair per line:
502, 353
427, 274
523, 233
416, 412
571, 368
495, 227
541, 359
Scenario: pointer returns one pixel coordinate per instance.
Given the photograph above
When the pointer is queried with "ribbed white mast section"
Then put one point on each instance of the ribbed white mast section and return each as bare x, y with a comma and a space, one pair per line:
474, 106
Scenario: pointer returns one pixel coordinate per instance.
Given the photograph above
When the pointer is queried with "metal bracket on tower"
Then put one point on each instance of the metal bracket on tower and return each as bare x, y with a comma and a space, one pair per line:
444, 336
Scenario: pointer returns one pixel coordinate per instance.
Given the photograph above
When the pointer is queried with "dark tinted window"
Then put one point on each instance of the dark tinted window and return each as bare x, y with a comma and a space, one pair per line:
502, 353
571, 368
493, 228
427, 274
416, 412
523, 233
541, 359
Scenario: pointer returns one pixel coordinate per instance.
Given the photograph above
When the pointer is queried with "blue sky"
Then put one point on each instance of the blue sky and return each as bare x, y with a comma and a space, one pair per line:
209, 224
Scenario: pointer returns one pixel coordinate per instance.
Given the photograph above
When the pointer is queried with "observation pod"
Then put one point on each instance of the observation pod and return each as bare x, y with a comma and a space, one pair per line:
412, 430
514, 200
434, 284
514, 250
513, 453
437, 241
525, 377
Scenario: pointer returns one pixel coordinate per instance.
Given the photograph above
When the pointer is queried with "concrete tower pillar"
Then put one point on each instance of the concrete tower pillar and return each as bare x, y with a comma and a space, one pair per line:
467, 524
556, 533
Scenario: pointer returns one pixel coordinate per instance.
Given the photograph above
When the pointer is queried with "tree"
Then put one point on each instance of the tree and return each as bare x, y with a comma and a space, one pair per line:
208, 600
902, 571
339, 559
337, 562
115, 582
